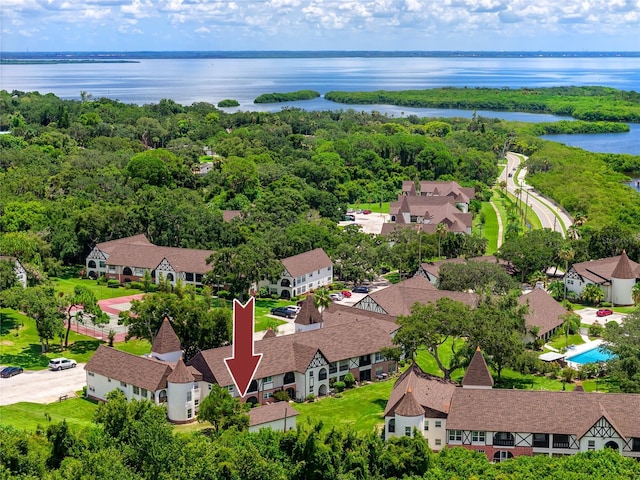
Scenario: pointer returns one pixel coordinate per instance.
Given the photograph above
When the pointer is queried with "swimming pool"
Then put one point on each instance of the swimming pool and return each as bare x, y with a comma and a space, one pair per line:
591, 356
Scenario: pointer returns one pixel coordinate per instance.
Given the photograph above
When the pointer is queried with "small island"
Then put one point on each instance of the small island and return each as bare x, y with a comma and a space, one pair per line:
287, 97
228, 102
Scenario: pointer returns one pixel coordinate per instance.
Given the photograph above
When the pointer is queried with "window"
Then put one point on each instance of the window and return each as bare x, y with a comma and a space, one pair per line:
188, 396
91, 374
188, 276
344, 365
426, 425
143, 392
136, 391
109, 380
392, 368
268, 380
592, 445
267, 395
196, 402
455, 435
501, 456
503, 439
122, 384
438, 441
102, 264
198, 277
311, 374
91, 389
333, 367
478, 437
379, 357
438, 424
230, 388
392, 425
189, 413
407, 431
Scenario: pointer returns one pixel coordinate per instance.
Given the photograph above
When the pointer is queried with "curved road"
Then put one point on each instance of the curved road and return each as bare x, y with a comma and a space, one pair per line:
551, 216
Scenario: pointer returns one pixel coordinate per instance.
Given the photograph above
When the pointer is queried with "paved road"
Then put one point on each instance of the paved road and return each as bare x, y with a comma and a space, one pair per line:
41, 386
544, 208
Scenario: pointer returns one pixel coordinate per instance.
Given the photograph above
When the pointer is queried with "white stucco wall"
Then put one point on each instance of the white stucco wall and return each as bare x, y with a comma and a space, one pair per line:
278, 425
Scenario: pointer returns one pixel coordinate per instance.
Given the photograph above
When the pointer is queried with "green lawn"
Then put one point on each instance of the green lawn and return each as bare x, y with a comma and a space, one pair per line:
263, 308
78, 413
359, 409
559, 342
134, 346
21, 346
490, 228
374, 207
101, 292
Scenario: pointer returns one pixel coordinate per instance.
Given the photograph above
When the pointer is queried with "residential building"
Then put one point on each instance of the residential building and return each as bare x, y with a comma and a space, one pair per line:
302, 364
545, 314
425, 213
461, 196
503, 423
279, 416
18, 269
127, 260
301, 274
616, 276
399, 298
431, 270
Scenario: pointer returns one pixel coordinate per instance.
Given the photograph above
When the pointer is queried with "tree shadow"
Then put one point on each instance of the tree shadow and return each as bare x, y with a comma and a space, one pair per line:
7, 323
84, 346
515, 383
380, 402
30, 357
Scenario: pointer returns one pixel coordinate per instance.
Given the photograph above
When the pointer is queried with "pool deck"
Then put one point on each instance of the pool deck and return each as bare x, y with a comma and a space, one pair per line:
578, 349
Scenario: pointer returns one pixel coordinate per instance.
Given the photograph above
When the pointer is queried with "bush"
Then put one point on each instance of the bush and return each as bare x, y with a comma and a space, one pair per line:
596, 330
339, 386
136, 285
349, 380
527, 363
605, 304
113, 283
275, 296
310, 398
568, 374
281, 396
228, 102
225, 294
263, 292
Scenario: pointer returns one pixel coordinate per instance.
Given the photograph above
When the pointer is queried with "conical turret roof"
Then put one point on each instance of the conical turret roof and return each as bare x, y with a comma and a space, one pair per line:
409, 406
477, 374
180, 374
166, 340
308, 313
623, 269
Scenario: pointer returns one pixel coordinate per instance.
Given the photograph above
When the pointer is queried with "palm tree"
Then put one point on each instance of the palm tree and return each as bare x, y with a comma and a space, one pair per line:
592, 294
635, 293
538, 276
321, 299
556, 289
441, 231
570, 324
566, 253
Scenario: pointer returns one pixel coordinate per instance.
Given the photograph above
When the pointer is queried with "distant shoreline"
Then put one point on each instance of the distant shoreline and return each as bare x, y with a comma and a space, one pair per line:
123, 57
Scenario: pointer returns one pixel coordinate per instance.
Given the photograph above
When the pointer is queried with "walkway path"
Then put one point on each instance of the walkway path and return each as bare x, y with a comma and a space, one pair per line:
500, 228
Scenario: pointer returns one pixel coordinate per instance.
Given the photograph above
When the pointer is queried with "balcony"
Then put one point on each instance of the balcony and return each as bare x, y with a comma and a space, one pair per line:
365, 360
503, 442
560, 441
560, 444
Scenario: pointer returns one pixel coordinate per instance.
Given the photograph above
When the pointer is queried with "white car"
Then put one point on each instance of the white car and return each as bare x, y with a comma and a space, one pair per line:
293, 308
61, 363
336, 297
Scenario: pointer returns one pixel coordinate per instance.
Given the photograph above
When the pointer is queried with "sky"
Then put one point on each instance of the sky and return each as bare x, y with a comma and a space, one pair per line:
174, 25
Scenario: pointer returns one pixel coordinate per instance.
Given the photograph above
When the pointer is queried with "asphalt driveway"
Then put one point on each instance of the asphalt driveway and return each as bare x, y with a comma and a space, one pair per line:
42, 386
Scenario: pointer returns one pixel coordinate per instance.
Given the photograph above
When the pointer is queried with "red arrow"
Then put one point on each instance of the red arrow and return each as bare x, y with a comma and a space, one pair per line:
243, 364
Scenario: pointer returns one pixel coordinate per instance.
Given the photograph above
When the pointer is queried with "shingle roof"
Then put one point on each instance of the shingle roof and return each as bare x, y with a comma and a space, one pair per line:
337, 314
141, 372
600, 271
150, 256
399, 298
544, 311
477, 374
308, 314
228, 215
270, 413
408, 406
180, 374
571, 413
294, 352
166, 340
623, 269
307, 262
432, 393
111, 245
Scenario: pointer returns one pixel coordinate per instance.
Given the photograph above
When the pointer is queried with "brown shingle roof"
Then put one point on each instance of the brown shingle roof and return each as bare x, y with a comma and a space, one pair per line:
477, 374
294, 352
337, 314
433, 268
166, 340
270, 333
571, 413
408, 405
271, 413
399, 298
307, 262
544, 311
180, 374
125, 367
308, 314
228, 215
111, 245
600, 271
150, 256
623, 269
432, 393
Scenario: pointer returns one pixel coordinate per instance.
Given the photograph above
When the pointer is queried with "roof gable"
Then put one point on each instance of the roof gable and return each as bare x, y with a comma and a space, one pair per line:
308, 314
307, 262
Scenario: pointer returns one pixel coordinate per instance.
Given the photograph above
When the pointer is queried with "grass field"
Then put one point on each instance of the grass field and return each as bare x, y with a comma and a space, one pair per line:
359, 409
78, 413
489, 229
374, 207
559, 342
134, 346
101, 292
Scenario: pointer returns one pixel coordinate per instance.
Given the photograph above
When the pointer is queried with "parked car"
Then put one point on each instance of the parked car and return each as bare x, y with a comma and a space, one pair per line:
346, 293
360, 289
366, 212
62, 363
510, 175
336, 297
293, 308
349, 218
283, 312
10, 371
603, 312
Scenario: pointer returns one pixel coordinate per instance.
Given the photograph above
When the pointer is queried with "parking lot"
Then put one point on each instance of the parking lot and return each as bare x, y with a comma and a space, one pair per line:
588, 316
42, 386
